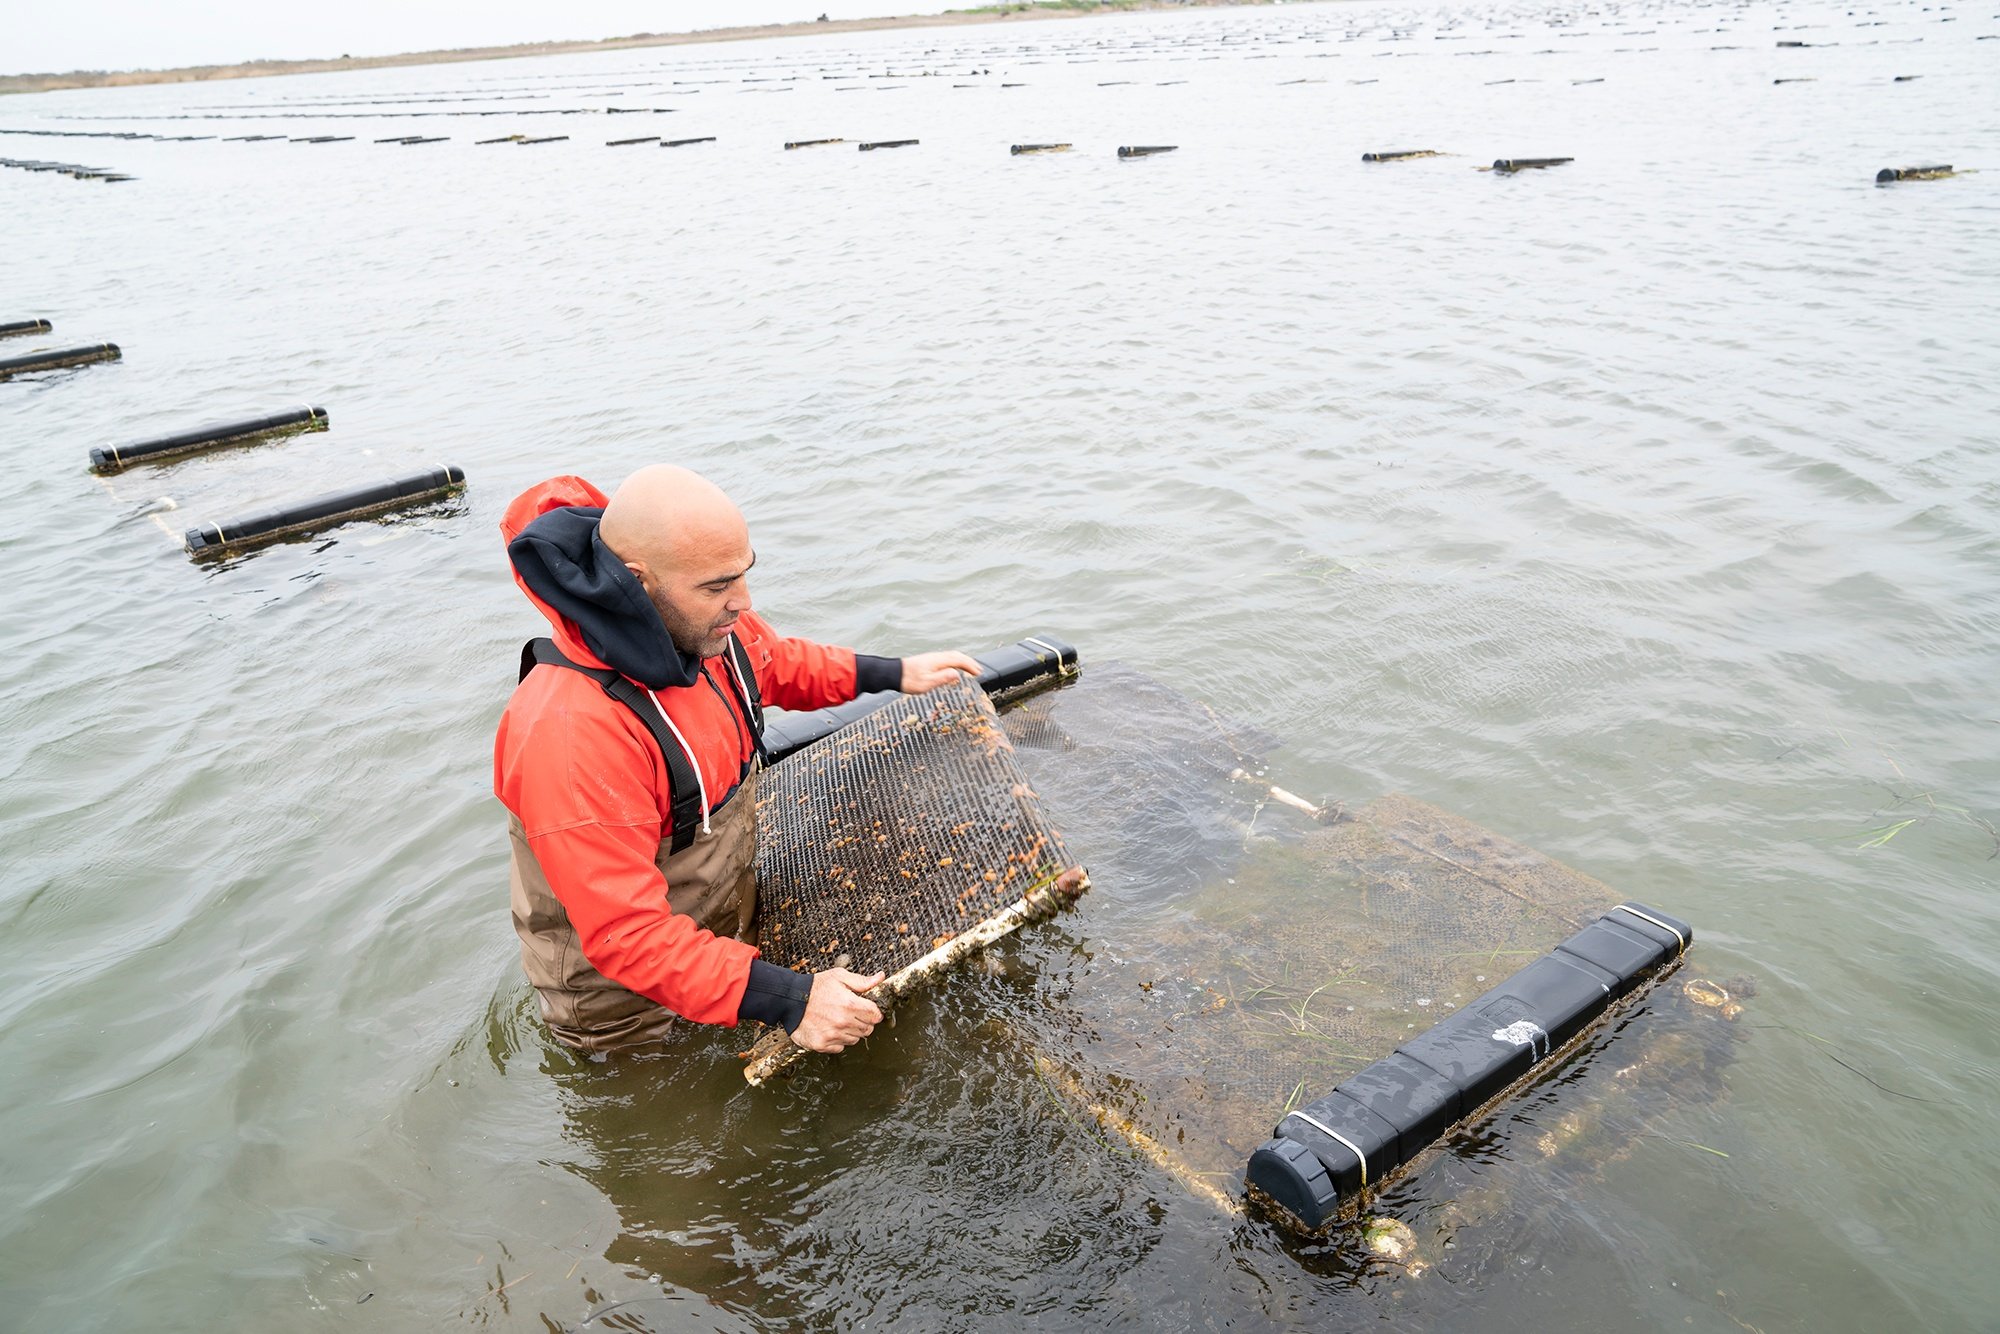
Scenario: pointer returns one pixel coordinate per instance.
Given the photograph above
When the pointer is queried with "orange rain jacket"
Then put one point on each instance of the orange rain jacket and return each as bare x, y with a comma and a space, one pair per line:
587, 780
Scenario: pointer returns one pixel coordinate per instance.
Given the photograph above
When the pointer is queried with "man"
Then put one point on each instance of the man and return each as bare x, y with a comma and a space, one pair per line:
628, 758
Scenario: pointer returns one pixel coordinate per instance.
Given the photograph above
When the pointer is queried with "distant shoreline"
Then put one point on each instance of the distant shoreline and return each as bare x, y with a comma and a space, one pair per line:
258, 69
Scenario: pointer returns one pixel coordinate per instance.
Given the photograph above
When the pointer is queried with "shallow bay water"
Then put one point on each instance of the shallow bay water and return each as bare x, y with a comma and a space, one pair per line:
1642, 509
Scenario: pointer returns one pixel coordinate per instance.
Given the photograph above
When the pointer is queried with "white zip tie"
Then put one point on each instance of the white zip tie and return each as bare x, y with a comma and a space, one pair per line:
1052, 650
700, 783
1648, 917
1326, 1129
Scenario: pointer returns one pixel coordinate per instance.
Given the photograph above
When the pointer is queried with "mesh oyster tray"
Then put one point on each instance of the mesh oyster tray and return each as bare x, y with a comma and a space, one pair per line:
902, 844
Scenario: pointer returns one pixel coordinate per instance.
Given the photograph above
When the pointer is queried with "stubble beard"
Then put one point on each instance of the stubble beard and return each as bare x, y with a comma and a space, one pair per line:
694, 638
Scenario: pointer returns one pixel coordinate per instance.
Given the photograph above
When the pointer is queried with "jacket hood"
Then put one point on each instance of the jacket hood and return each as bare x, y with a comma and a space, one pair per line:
590, 598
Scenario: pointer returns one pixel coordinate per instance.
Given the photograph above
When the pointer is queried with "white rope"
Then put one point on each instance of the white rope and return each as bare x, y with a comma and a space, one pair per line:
1326, 1129
701, 784
1648, 917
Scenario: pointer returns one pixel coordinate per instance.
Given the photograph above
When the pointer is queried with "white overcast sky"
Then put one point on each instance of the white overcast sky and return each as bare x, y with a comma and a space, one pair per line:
37, 36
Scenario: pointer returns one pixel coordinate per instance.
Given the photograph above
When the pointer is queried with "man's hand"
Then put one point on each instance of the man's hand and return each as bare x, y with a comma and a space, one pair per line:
927, 671
837, 1016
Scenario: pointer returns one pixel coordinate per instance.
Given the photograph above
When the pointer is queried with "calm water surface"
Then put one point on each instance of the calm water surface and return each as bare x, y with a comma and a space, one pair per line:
1643, 510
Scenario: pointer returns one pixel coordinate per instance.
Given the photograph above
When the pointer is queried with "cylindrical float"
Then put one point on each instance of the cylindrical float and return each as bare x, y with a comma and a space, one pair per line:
811, 143
116, 458
545, 139
682, 143
620, 143
19, 327
323, 511
57, 360
1326, 1155
1888, 174
1005, 674
1399, 155
1020, 149
1526, 163
1146, 150
888, 143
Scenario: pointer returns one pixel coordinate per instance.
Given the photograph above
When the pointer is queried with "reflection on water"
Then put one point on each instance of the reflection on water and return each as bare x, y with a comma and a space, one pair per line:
1640, 510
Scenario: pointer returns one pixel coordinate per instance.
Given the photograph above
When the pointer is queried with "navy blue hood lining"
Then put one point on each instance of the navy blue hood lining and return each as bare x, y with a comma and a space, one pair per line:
564, 562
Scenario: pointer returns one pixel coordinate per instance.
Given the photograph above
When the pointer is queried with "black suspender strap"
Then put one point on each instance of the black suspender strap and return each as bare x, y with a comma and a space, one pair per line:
683, 784
745, 677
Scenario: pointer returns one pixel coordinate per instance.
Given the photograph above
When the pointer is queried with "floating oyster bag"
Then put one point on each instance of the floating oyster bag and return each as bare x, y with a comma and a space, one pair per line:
901, 844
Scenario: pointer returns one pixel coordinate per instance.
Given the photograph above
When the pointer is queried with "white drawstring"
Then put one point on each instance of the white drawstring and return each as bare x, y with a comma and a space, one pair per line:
701, 784
741, 684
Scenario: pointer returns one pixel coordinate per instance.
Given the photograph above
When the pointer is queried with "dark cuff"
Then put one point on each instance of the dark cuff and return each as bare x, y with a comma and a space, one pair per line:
775, 995
872, 674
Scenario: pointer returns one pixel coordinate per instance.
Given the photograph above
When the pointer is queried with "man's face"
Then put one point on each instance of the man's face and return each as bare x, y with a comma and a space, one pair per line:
701, 600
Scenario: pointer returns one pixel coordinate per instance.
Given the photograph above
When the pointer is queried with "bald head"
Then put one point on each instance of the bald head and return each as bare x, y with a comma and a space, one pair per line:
688, 546
664, 515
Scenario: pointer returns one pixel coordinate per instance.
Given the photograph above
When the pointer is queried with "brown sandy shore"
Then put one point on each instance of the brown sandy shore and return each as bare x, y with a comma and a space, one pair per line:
256, 69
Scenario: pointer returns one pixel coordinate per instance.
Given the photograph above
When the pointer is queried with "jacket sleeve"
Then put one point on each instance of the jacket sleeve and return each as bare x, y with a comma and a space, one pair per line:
584, 787
799, 674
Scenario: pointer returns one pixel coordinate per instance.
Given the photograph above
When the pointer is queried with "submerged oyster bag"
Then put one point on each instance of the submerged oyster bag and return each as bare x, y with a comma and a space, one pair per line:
901, 844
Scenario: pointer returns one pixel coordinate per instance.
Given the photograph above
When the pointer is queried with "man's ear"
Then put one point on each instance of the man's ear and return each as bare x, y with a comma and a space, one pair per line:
638, 569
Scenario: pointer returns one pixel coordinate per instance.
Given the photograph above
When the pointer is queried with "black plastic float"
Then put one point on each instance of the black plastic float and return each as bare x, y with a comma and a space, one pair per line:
1018, 149
323, 511
888, 143
116, 458
811, 143
620, 143
1329, 1152
1511, 164
19, 327
57, 360
682, 143
75, 169
1007, 673
1936, 173
544, 139
1146, 150
1399, 155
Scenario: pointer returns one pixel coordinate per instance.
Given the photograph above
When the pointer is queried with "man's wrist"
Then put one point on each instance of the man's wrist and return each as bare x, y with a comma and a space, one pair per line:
774, 995
872, 674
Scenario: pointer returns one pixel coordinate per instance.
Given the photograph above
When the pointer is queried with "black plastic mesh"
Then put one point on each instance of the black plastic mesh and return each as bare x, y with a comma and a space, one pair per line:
896, 833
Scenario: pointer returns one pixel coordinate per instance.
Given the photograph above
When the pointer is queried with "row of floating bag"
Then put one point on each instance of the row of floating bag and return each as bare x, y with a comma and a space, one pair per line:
256, 527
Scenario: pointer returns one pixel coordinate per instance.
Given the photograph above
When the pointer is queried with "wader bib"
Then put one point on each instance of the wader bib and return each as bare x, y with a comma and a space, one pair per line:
713, 880
710, 873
